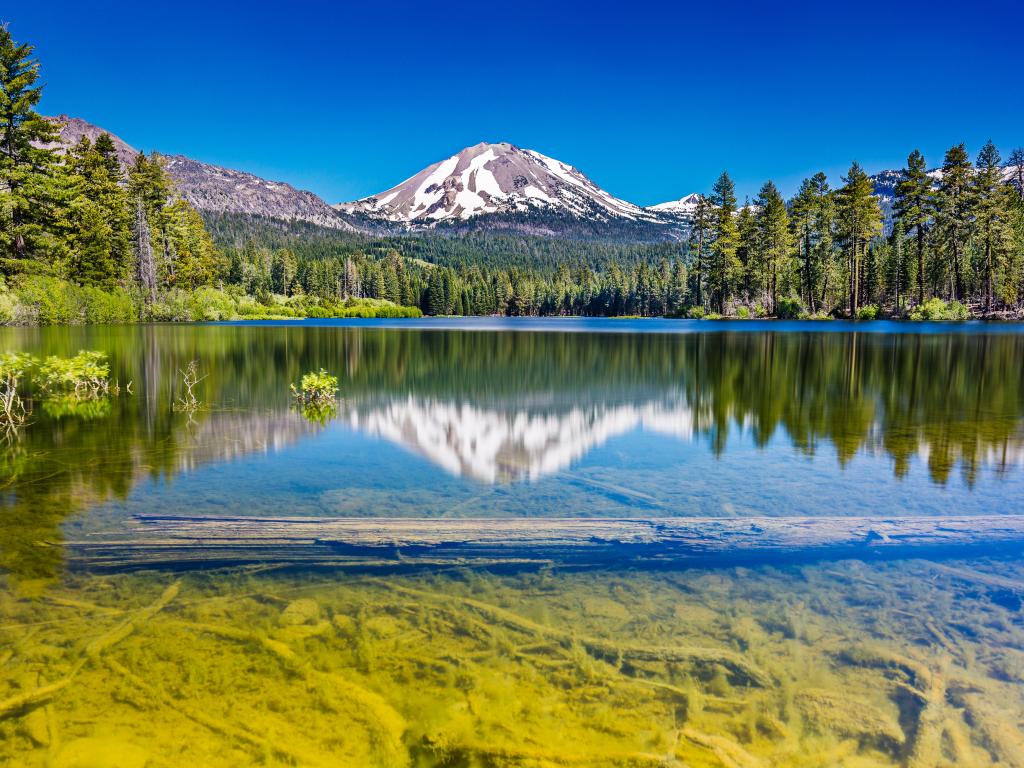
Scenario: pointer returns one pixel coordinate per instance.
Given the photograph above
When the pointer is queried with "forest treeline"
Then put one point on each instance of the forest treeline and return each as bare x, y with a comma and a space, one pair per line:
956, 248
83, 239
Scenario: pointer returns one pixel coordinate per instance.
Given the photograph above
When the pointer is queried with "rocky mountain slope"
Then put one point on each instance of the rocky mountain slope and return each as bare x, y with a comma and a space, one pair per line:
213, 189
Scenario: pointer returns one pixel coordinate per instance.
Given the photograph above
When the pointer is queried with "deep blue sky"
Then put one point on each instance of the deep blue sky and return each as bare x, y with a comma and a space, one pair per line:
651, 100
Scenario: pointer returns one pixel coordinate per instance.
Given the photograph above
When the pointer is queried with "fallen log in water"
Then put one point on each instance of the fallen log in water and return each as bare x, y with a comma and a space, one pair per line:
202, 541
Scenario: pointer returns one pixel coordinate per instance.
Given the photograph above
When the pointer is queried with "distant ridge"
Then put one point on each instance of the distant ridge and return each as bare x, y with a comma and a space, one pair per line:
210, 188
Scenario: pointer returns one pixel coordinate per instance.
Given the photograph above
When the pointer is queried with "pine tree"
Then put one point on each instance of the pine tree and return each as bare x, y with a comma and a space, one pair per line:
914, 209
859, 221
812, 220
955, 211
24, 164
992, 215
723, 265
748, 254
699, 236
773, 239
100, 242
283, 271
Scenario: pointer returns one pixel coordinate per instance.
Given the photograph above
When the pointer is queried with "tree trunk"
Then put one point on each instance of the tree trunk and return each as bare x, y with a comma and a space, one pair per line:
920, 264
145, 267
159, 540
988, 267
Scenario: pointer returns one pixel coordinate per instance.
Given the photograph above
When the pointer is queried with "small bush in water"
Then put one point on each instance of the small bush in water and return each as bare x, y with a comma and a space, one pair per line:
86, 374
318, 387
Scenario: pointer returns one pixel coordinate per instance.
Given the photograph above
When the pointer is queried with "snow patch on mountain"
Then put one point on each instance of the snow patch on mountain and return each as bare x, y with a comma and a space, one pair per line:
684, 206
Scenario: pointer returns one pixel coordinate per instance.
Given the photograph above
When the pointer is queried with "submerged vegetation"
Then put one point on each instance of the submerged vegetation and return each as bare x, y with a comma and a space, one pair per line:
846, 664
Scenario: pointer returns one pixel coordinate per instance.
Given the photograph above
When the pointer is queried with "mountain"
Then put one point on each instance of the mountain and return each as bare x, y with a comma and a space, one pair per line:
213, 189
683, 207
502, 187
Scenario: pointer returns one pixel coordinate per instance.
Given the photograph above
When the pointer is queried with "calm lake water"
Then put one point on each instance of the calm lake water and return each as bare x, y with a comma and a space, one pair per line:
906, 662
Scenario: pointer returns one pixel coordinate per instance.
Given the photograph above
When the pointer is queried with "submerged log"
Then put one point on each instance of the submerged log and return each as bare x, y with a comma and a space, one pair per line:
172, 541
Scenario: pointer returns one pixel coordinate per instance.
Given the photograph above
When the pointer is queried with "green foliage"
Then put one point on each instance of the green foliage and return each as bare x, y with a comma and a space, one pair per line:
868, 312
788, 308
696, 313
937, 309
75, 406
14, 365
85, 374
316, 388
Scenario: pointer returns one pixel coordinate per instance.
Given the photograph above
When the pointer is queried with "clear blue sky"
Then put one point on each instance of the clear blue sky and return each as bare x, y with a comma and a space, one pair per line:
650, 100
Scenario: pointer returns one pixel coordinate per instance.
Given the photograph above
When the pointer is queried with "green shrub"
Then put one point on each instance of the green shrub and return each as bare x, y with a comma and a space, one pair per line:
48, 301
743, 313
868, 312
85, 374
108, 307
8, 307
788, 308
695, 313
937, 309
316, 388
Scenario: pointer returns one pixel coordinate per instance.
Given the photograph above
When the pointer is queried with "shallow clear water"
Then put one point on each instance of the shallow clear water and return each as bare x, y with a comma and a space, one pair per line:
903, 662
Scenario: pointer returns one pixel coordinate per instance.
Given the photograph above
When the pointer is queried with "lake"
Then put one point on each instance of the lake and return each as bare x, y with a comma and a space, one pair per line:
172, 589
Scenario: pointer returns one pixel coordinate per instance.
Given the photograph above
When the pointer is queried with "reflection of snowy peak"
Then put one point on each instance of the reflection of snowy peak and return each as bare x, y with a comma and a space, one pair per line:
504, 445
492, 179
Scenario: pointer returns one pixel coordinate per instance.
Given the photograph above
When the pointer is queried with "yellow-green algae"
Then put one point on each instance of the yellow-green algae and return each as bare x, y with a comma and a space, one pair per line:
907, 663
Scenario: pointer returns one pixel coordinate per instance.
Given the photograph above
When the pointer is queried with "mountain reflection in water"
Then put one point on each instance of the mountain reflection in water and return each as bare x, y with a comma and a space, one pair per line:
557, 423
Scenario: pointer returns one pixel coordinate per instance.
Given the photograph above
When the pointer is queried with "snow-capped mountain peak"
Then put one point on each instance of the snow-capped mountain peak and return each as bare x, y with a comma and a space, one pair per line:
494, 179
684, 206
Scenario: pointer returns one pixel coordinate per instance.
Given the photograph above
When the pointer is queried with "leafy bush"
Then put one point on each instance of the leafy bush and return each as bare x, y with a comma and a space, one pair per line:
743, 313
85, 374
316, 387
937, 309
48, 301
695, 313
788, 308
108, 307
868, 312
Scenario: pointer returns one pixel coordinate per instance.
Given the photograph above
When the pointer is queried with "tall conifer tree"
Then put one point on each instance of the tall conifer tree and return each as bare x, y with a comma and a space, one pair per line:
955, 211
915, 208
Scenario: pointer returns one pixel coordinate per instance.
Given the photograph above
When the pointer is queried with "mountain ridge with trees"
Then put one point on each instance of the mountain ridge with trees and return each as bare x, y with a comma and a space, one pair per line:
85, 239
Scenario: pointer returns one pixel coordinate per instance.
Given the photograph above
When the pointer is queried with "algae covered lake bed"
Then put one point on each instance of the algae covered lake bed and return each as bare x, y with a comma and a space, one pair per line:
157, 654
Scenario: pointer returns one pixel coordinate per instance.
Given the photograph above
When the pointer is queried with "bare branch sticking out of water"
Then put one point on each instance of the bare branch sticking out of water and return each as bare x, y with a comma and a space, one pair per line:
188, 402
